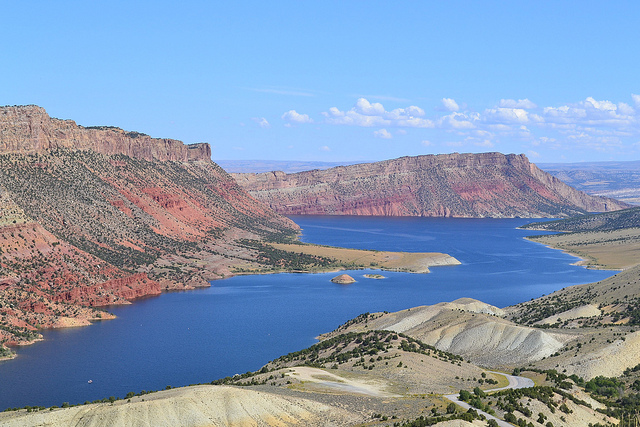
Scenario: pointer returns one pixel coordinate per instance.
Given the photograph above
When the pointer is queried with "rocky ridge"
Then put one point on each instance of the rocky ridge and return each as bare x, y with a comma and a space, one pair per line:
93, 217
28, 129
446, 185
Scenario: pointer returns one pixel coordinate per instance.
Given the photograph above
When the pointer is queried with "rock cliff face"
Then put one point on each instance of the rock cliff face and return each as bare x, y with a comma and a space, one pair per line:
447, 185
93, 217
29, 129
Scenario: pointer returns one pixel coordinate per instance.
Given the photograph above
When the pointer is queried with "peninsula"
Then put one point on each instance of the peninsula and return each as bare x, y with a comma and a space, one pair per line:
96, 216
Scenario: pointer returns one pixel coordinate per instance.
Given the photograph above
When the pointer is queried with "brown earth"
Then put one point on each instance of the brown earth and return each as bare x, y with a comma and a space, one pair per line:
447, 185
412, 262
97, 216
616, 249
343, 279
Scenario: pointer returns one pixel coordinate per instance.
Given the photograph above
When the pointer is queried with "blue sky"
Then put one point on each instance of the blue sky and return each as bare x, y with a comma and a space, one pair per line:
337, 80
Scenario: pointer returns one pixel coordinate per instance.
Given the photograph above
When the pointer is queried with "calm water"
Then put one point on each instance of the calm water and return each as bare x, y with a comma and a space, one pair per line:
241, 323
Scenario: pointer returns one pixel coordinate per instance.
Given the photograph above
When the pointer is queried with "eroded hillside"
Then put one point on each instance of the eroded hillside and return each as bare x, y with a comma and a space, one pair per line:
449, 185
91, 217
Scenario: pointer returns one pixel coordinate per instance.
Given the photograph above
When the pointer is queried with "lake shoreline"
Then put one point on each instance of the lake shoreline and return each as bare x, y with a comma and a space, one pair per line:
416, 262
476, 278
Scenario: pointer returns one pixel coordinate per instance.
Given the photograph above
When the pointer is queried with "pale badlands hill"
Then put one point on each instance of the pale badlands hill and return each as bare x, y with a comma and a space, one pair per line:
489, 336
449, 185
194, 406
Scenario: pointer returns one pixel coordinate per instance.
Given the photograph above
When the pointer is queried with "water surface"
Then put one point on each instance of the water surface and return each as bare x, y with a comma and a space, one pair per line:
241, 323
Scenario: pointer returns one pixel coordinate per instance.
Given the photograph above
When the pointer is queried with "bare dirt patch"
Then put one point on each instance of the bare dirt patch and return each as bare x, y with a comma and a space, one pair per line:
413, 262
618, 249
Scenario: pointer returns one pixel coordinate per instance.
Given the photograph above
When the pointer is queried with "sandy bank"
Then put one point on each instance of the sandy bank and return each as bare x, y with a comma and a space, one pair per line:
411, 262
191, 407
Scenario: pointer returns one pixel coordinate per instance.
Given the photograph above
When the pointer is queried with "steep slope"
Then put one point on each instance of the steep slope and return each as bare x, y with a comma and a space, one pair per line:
587, 342
609, 221
28, 129
455, 185
469, 328
194, 407
96, 217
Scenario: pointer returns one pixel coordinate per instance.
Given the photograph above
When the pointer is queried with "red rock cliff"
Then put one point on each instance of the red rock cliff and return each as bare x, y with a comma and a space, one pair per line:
457, 185
29, 129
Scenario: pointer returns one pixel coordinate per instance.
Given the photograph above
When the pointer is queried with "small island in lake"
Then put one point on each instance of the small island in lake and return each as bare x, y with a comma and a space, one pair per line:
343, 279
374, 276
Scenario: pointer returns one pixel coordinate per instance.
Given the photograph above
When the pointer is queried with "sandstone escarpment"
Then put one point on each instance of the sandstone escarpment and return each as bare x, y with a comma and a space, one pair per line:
449, 185
91, 217
29, 129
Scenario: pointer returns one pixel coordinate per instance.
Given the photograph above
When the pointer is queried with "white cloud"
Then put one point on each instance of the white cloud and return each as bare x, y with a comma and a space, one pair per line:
601, 105
626, 109
427, 143
368, 109
367, 114
591, 112
520, 103
324, 148
591, 123
458, 121
506, 115
382, 133
262, 122
533, 154
450, 104
295, 117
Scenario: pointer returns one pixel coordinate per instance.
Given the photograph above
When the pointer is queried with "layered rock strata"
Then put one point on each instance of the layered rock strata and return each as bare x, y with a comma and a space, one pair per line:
447, 185
94, 217
28, 129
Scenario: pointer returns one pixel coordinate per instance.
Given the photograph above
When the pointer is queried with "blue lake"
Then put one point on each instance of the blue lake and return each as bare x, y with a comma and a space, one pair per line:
241, 323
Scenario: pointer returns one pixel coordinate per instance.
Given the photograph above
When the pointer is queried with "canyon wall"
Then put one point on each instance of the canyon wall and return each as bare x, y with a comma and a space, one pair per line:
446, 185
94, 217
28, 129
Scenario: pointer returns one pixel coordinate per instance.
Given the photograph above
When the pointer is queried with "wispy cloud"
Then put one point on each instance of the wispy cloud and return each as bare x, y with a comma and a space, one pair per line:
262, 122
281, 91
384, 98
382, 133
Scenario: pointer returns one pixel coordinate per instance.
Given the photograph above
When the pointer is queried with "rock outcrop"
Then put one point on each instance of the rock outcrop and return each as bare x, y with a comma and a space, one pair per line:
28, 129
93, 217
447, 185
343, 279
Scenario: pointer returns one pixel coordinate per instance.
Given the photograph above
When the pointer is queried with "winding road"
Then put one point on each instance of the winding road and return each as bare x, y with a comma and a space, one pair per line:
514, 382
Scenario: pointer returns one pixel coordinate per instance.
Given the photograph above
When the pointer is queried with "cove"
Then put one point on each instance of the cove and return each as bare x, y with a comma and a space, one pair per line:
241, 323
